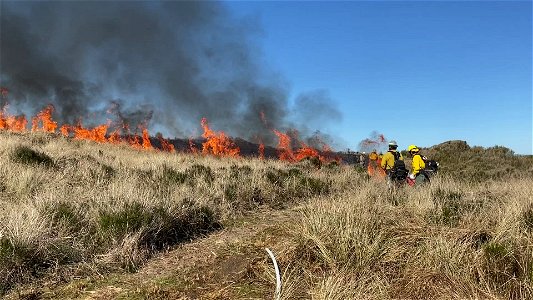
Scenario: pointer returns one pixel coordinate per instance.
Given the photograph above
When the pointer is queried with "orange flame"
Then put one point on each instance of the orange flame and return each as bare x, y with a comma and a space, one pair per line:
3, 123
45, 117
261, 150
135, 142
284, 146
146, 139
16, 123
96, 134
65, 130
306, 151
114, 137
13, 123
217, 142
165, 144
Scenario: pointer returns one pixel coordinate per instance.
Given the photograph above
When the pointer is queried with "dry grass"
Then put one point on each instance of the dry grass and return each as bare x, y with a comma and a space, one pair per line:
447, 240
75, 207
78, 204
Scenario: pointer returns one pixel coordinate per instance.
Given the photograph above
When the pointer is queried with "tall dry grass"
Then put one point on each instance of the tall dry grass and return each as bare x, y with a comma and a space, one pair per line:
450, 239
82, 206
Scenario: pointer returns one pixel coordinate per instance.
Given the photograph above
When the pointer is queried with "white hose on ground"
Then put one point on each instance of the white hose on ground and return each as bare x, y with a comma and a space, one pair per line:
277, 296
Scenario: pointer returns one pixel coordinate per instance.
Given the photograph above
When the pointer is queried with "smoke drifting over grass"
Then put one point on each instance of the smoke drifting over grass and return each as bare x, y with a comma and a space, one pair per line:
177, 61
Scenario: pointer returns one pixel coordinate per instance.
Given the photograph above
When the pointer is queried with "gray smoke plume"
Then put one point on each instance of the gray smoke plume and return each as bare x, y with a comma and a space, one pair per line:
179, 61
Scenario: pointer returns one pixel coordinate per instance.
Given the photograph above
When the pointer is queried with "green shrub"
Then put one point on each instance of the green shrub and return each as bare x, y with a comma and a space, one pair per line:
108, 171
65, 215
17, 263
160, 227
280, 177
500, 264
237, 172
26, 155
448, 207
314, 186
496, 250
231, 192
128, 219
171, 228
200, 171
170, 176
294, 184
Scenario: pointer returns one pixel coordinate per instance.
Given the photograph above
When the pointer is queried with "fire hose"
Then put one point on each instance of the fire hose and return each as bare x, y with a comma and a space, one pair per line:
277, 295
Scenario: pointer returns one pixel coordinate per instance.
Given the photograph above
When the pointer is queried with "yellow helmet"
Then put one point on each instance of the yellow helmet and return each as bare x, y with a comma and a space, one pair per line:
413, 148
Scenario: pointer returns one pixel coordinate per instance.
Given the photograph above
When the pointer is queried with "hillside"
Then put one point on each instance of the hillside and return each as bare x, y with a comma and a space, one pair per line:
86, 220
478, 163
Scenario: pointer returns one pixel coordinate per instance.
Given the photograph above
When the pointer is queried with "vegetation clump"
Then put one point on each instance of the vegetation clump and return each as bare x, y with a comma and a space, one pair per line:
26, 155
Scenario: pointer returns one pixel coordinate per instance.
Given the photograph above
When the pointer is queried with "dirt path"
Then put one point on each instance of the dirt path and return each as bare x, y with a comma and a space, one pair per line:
229, 264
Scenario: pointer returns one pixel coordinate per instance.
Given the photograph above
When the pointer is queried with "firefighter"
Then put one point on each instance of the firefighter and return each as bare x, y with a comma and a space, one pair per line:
387, 162
418, 165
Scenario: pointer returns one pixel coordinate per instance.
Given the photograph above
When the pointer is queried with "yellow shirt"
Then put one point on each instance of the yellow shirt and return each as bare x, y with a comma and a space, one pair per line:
373, 156
387, 162
418, 164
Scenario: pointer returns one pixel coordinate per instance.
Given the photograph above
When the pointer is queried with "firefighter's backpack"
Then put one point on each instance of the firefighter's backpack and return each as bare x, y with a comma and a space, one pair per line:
398, 171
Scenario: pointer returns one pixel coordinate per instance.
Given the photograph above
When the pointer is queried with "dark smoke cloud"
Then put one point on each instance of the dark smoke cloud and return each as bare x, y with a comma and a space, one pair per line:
179, 61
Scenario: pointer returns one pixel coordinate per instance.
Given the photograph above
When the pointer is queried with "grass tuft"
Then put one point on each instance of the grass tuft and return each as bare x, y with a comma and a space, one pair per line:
26, 155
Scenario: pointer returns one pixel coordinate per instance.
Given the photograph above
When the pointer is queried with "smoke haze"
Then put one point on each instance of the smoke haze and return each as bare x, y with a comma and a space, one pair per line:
166, 63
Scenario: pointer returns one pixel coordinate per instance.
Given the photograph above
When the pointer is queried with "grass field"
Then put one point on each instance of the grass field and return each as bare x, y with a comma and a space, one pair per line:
77, 217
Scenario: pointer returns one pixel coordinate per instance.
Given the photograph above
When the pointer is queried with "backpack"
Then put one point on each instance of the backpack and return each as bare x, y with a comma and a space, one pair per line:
431, 168
398, 172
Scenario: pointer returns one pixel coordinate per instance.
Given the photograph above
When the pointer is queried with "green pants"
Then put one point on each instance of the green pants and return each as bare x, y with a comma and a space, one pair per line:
420, 178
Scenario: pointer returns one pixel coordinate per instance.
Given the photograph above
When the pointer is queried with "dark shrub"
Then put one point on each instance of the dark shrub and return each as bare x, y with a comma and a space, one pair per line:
169, 229
237, 172
65, 215
17, 263
170, 176
501, 265
200, 171
479, 239
127, 220
230, 192
448, 207
108, 171
26, 155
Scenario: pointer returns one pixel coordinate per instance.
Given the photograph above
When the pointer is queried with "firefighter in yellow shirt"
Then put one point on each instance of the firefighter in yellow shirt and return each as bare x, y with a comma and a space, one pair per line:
418, 165
388, 159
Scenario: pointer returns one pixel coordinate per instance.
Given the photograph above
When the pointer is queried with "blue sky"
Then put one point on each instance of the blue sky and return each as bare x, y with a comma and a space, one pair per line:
418, 72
